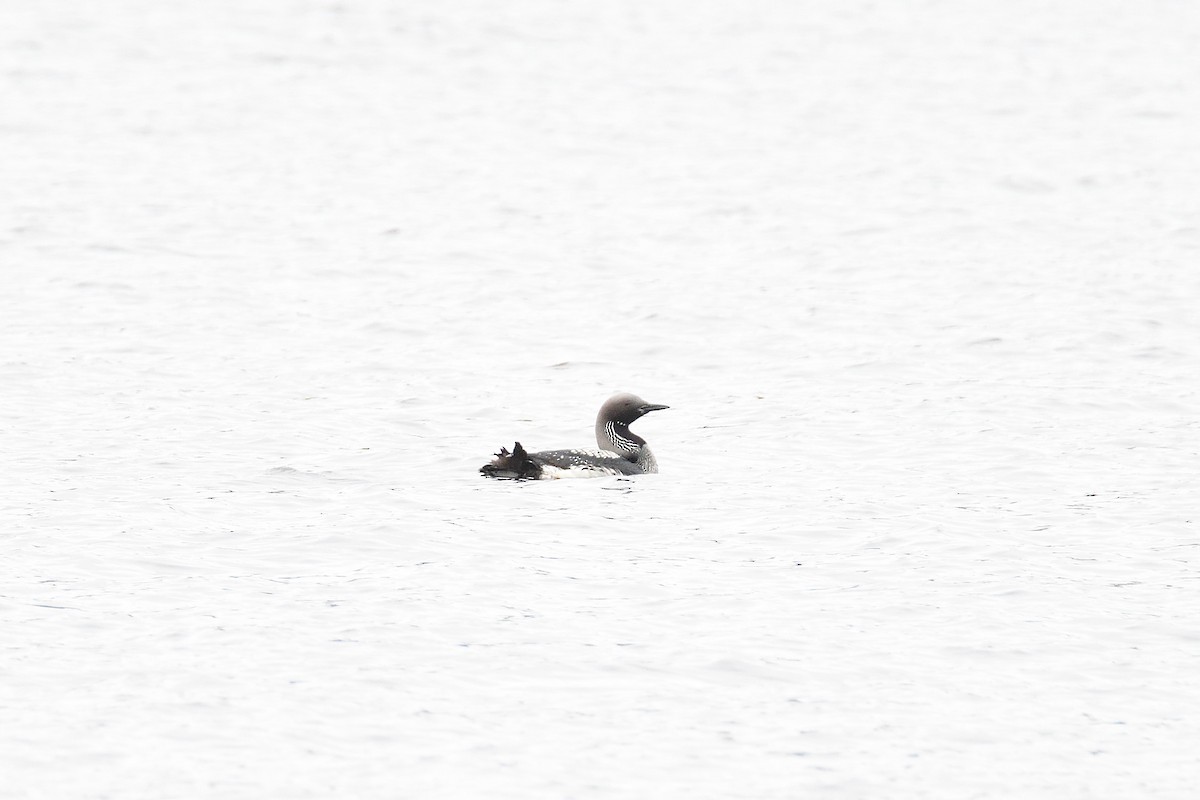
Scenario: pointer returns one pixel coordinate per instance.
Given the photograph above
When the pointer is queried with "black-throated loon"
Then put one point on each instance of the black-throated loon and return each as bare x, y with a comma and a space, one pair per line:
622, 452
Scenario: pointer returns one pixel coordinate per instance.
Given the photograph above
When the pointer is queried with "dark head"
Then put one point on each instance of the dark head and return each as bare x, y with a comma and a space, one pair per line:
612, 423
626, 408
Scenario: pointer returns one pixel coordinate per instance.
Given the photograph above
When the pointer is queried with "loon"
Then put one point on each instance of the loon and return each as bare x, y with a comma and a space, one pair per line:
622, 452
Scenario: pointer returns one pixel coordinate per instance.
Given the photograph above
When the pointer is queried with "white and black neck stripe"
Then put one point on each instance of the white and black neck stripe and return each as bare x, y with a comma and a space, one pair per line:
620, 439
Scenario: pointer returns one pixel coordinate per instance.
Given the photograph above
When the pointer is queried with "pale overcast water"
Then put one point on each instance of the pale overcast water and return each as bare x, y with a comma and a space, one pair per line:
919, 281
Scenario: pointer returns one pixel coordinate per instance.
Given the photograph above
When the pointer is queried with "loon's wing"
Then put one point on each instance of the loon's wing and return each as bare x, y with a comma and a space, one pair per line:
586, 462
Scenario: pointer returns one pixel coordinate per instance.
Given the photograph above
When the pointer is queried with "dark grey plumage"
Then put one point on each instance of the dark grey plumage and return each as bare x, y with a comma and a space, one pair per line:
622, 452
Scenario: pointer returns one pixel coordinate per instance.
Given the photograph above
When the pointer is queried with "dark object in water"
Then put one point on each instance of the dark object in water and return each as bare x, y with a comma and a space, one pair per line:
622, 452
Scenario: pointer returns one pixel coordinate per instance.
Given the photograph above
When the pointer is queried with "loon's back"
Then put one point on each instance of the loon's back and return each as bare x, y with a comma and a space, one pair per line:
521, 465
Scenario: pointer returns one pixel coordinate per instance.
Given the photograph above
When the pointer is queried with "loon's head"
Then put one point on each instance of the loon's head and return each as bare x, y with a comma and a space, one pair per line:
612, 425
625, 408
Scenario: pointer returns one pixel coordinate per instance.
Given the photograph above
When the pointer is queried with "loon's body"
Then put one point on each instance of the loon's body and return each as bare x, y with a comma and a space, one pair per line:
622, 452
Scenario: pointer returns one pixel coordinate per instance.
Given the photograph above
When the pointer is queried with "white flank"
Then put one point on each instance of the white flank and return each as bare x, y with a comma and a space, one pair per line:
582, 471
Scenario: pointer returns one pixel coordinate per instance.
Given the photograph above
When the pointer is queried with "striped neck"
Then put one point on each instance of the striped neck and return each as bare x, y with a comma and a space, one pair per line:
616, 437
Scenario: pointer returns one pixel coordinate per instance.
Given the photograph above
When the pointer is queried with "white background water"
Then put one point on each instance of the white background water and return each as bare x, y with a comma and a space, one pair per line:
918, 279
